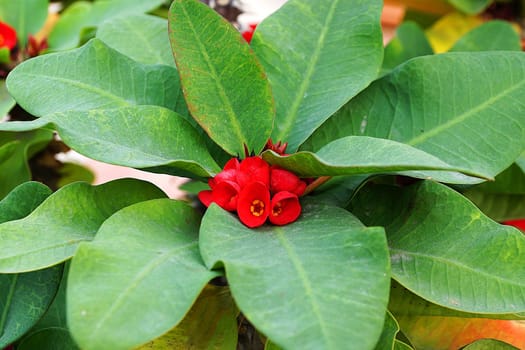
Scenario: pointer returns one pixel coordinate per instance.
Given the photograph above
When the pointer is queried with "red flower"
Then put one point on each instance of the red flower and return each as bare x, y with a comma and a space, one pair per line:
285, 208
278, 148
248, 34
516, 223
253, 169
7, 36
253, 204
284, 180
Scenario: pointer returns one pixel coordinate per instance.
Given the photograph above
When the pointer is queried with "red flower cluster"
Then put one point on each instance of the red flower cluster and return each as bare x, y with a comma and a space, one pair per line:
248, 34
7, 36
257, 191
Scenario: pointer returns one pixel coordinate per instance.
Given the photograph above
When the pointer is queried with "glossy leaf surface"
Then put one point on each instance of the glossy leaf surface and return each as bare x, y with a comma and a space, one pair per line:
224, 85
92, 77
428, 104
445, 250
142, 272
69, 216
354, 155
300, 45
493, 35
316, 283
152, 136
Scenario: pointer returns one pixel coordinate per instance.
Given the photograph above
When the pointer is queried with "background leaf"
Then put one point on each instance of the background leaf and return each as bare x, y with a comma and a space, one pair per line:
22, 200
490, 36
26, 16
470, 6
143, 38
224, 85
142, 272
93, 77
388, 336
316, 283
489, 344
52, 232
6, 101
318, 55
423, 104
445, 250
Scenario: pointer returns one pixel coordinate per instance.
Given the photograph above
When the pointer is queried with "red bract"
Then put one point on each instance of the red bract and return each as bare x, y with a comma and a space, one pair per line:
284, 180
516, 223
253, 169
7, 36
285, 208
248, 34
253, 204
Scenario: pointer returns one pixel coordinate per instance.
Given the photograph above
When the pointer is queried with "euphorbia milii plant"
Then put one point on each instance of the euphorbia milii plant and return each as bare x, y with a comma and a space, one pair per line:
351, 227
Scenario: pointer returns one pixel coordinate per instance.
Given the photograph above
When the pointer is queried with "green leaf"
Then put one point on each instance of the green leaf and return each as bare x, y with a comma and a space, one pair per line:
445, 250
317, 283
139, 136
22, 200
72, 172
92, 77
318, 55
66, 34
48, 339
211, 323
142, 272
26, 16
143, 38
52, 232
354, 155
429, 104
410, 41
503, 199
490, 36
388, 336
224, 85
15, 151
489, 344
6, 101
399, 345
471, 7
24, 298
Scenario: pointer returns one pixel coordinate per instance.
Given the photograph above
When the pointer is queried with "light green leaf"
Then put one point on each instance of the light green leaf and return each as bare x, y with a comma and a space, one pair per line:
6, 101
224, 85
92, 77
52, 232
143, 38
410, 41
15, 151
210, 324
355, 155
142, 272
26, 16
318, 55
428, 104
66, 34
490, 36
140, 137
318, 283
489, 344
445, 250
471, 7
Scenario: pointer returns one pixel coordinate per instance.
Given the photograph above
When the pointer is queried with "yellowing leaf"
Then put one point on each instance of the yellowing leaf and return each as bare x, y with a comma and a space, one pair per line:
445, 32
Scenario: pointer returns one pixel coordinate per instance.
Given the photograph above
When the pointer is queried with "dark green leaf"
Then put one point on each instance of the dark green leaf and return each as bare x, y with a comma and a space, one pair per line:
92, 77
445, 250
388, 336
355, 155
476, 123
225, 87
493, 35
318, 55
141, 37
316, 283
48, 339
52, 232
489, 344
6, 101
26, 16
22, 200
399, 345
142, 272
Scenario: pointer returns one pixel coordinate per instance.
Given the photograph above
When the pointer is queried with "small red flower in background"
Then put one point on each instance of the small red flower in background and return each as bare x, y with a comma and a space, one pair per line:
7, 36
248, 34
516, 223
256, 191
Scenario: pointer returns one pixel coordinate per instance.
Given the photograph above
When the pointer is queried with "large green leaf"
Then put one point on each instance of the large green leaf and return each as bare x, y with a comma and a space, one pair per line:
141, 37
137, 278
318, 55
137, 136
354, 155
26, 16
52, 232
15, 151
93, 76
224, 85
81, 15
318, 283
476, 123
492, 35
445, 250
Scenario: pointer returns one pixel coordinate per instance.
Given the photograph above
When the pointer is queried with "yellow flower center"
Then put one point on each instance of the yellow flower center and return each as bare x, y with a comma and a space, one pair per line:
257, 207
